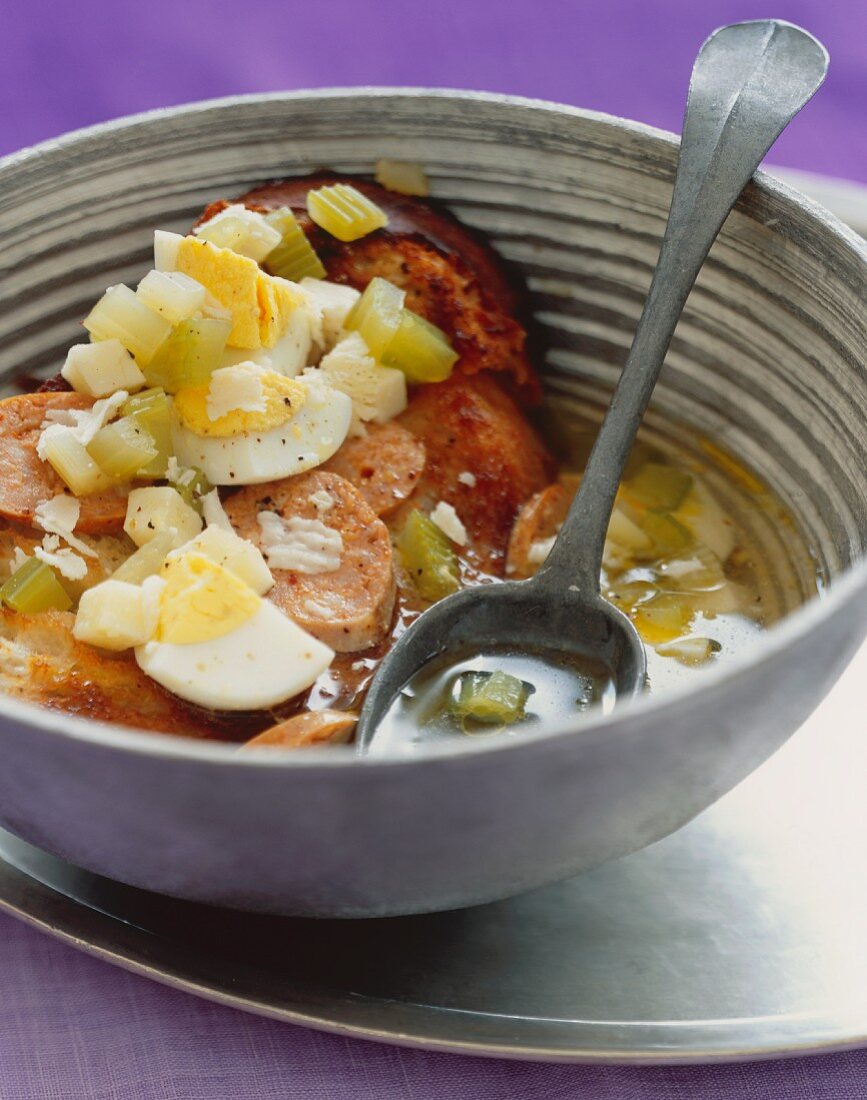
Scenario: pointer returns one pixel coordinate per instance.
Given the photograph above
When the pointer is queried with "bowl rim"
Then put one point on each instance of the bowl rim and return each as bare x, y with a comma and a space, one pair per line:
593, 726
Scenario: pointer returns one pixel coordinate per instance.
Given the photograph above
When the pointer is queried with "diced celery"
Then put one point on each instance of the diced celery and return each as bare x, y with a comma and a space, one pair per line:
193, 351
667, 536
625, 533
294, 257
192, 486
662, 619
151, 409
428, 557
421, 350
659, 487
403, 177
34, 587
121, 315
172, 294
74, 465
377, 314
344, 212
148, 560
490, 697
701, 571
122, 448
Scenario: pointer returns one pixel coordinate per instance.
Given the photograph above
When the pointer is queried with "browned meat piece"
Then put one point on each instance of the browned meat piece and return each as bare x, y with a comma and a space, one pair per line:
310, 730
384, 465
539, 520
26, 481
450, 276
350, 607
41, 662
471, 427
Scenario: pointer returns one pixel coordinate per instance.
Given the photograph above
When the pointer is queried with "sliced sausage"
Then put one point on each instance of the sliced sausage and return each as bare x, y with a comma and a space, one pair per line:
26, 481
350, 607
538, 521
308, 730
384, 465
470, 426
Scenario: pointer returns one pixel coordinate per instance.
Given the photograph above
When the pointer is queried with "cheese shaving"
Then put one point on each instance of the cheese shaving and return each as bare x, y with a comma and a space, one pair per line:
298, 544
446, 518
65, 561
59, 516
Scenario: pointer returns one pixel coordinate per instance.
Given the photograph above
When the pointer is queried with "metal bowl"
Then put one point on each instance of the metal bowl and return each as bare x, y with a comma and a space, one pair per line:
768, 360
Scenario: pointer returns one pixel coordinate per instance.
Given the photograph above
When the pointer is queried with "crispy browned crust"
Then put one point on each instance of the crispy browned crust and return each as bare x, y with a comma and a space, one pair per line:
451, 277
41, 662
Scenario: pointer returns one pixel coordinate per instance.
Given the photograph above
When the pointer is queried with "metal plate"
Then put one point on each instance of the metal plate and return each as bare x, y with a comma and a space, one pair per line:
738, 937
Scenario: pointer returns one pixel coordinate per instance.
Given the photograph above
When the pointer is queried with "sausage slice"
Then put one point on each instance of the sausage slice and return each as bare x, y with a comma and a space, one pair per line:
349, 608
26, 481
538, 521
308, 730
384, 465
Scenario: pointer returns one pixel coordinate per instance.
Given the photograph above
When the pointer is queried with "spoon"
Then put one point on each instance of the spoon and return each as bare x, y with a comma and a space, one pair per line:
749, 80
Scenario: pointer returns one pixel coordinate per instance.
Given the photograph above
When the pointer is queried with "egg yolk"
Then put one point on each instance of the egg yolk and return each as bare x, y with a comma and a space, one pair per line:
282, 398
201, 601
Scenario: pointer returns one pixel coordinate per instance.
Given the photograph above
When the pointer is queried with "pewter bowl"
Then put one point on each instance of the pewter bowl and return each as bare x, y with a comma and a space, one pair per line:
768, 361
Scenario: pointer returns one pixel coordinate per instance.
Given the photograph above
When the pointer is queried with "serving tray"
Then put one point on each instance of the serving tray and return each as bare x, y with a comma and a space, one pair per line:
740, 936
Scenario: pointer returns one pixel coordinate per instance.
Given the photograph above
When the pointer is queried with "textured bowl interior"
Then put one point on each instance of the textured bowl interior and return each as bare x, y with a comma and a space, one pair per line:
767, 360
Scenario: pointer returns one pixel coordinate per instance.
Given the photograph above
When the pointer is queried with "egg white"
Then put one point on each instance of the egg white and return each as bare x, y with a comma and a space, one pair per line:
310, 438
265, 661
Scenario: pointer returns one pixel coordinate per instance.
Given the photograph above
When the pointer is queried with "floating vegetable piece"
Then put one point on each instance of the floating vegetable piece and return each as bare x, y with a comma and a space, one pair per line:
344, 212
419, 349
662, 619
689, 651
659, 487
123, 448
294, 257
428, 557
190, 355
34, 587
494, 698
377, 315
667, 536
402, 177
121, 315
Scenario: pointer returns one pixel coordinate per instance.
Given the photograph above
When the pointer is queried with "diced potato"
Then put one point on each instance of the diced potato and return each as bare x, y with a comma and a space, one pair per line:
166, 250
244, 231
190, 355
494, 698
237, 555
34, 587
419, 349
159, 509
151, 409
377, 314
123, 448
335, 302
101, 369
74, 465
116, 615
148, 560
293, 257
428, 557
344, 212
403, 177
120, 314
172, 295
377, 393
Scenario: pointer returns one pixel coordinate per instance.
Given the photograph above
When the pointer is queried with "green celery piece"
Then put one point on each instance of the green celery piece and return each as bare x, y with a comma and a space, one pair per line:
190, 354
428, 557
495, 698
419, 349
659, 487
34, 587
122, 448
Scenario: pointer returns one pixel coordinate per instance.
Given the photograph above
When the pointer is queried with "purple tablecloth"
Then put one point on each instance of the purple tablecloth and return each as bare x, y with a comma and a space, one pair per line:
72, 1027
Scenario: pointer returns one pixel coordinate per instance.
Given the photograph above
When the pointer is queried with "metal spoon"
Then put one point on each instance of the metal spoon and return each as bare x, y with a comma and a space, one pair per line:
748, 82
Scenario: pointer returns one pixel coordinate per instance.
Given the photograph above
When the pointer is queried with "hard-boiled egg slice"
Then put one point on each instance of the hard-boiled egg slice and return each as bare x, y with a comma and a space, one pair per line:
220, 645
310, 437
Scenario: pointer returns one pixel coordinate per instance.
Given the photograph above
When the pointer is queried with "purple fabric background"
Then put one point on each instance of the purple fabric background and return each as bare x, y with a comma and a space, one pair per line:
72, 1027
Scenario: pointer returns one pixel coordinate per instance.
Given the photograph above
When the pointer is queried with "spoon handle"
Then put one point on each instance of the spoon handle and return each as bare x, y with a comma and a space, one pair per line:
748, 81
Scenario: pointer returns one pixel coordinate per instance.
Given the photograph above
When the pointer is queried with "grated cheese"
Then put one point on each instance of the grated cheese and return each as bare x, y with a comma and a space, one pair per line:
466, 478
65, 561
322, 501
82, 423
236, 389
446, 518
301, 545
59, 516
